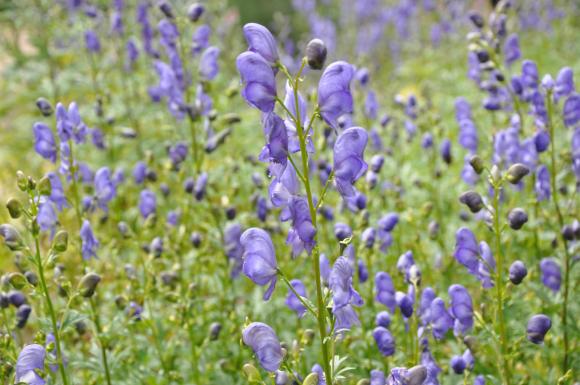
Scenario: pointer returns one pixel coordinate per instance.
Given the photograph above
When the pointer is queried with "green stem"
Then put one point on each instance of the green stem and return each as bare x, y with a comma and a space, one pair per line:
553, 171
499, 320
97, 322
59, 356
74, 183
306, 304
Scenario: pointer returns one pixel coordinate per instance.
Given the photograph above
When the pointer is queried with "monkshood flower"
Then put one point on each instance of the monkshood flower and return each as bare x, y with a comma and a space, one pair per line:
46, 217
258, 80
316, 368
441, 320
405, 262
168, 87
200, 187
342, 231
542, 185
92, 42
89, 242
467, 130
302, 232
385, 290
468, 174
445, 150
551, 274
511, 49
30, 360
477, 258
168, 33
371, 105
363, 273
405, 304
44, 143
334, 96
233, 248
479, 380
403, 376
564, 86
173, 217
177, 153
349, 164
427, 297
200, 38
385, 341
56, 191
69, 124
259, 259
147, 203
324, 268
429, 363
537, 328
368, 237
208, 63
377, 377
262, 208
261, 41
571, 110
146, 29
294, 302
383, 319
282, 189
265, 344
105, 189
343, 294
276, 149
461, 309
140, 172
297, 112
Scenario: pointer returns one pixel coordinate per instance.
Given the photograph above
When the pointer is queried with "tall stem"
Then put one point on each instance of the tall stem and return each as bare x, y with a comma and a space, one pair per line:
500, 321
553, 171
51, 312
100, 338
315, 252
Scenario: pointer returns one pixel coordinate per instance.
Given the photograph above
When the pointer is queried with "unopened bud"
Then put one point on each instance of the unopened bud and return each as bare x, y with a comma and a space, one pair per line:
517, 218
472, 200
252, 374
477, 164
44, 186
14, 208
44, 106
516, 173
311, 379
316, 54
195, 11
12, 237
60, 241
88, 284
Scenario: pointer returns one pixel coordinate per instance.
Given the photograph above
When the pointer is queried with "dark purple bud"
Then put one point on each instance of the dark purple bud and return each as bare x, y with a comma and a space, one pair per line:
22, 315
516, 172
385, 341
537, 328
446, 151
517, 218
476, 18
44, 106
342, 231
383, 319
541, 140
88, 284
167, 10
316, 54
458, 364
472, 200
16, 298
195, 11
518, 272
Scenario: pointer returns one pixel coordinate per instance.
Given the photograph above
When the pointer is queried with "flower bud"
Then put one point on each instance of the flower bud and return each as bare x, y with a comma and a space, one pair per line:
44, 106
195, 11
477, 164
88, 284
120, 302
16, 298
568, 232
214, 331
17, 280
433, 229
44, 187
165, 7
308, 336
252, 374
12, 237
81, 327
21, 181
31, 277
537, 328
476, 19
471, 343
316, 54
518, 272
472, 200
195, 239
516, 172
458, 364
517, 218
4, 301
22, 315
60, 241
311, 379
231, 118
14, 208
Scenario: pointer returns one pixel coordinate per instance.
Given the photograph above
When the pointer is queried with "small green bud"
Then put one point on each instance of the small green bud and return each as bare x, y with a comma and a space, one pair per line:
471, 343
88, 284
311, 379
14, 208
60, 241
44, 186
364, 381
17, 280
477, 164
308, 336
30, 184
252, 374
21, 181
516, 172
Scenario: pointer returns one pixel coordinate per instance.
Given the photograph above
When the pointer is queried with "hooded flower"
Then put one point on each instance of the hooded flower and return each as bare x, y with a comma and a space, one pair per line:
265, 344
258, 80
261, 41
551, 274
276, 149
572, 110
294, 302
208, 64
349, 164
385, 341
233, 248
44, 143
461, 309
477, 258
334, 97
92, 42
512, 49
30, 359
542, 187
147, 203
302, 233
441, 320
385, 290
537, 328
89, 242
105, 189
46, 217
56, 191
259, 259
564, 83
343, 293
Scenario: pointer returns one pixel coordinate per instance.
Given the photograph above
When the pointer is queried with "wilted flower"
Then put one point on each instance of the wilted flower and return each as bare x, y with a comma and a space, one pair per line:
259, 259
265, 344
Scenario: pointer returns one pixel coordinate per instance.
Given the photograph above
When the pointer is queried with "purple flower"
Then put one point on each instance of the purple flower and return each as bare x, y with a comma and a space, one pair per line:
334, 97
564, 83
324, 268
385, 341
302, 233
201, 38
512, 49
385, 290
233, 248
294, 302
259, 259
208, 65
541, 140
377, 377
46, 217
371, 105
69, 124
343, 294
479, 380
177, 153
572, 110
261, 41
477, 258
89, 242
342, 231
458, 364
530, 75
44, 143
383, 319
200, 186
405, 304
92, 42
56, 191
368, 237
388, 222
258, 80
441, 320
551, 274
265, 344
30, 360
105, 189
276, 149
140, 172
147, 203
537, 328
445, 151
349, 164
542, 185
461, 309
